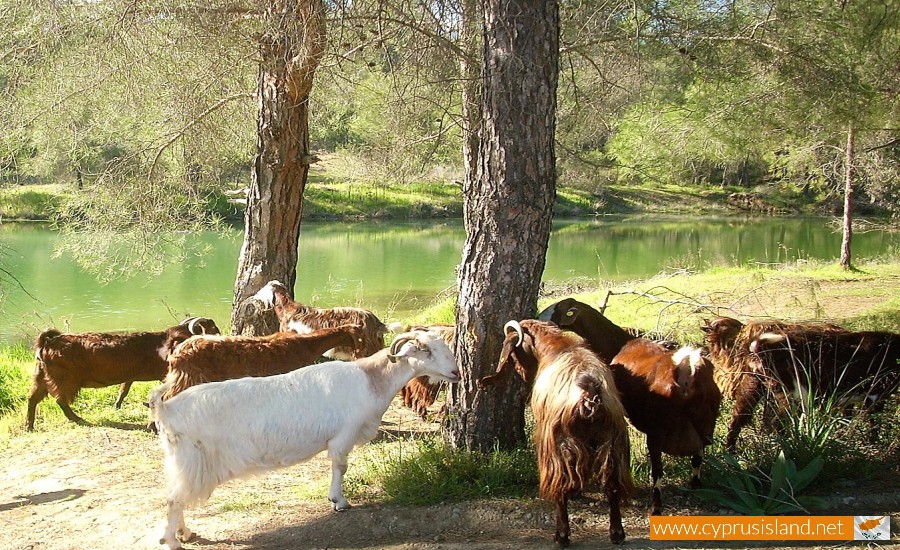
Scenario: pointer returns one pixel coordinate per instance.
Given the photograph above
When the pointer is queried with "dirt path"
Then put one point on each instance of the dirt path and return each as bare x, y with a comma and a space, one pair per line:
98, 488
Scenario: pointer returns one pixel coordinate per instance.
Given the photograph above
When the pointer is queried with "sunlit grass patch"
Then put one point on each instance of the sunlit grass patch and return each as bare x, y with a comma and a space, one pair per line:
427, 471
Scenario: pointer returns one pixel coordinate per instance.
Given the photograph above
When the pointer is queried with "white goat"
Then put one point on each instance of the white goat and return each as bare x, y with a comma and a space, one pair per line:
223, 430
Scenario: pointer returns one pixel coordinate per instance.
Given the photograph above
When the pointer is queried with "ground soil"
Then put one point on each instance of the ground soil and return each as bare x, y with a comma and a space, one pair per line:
99, 487
102, 487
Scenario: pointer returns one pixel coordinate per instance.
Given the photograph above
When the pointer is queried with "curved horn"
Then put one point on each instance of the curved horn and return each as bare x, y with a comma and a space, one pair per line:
186, 321
400, 340
193, 323
514, 325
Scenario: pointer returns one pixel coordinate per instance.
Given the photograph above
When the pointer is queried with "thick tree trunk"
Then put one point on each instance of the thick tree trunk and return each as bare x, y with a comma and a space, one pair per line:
508, 210
848, 201
470, 68
290, 48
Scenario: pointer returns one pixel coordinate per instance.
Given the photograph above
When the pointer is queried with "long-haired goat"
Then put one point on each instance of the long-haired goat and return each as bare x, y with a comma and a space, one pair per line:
580, 432
787, 359
66, 363
668, 395
223, 430
304, 319
215, 358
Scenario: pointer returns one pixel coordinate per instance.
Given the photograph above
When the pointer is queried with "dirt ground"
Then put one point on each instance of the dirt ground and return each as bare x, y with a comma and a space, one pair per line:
98, 488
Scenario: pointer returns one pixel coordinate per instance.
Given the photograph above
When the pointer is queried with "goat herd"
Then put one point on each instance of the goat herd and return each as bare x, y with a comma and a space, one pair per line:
214, 427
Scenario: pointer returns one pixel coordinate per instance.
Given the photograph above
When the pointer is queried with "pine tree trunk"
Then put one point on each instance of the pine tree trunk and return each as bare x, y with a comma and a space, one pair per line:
291, 46
508, 209
848, 201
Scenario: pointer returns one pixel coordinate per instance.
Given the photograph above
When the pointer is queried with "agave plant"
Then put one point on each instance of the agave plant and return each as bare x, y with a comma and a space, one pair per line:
752, 492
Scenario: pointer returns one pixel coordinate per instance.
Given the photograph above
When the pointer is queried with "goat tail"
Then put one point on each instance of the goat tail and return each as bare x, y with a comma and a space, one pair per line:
42, 340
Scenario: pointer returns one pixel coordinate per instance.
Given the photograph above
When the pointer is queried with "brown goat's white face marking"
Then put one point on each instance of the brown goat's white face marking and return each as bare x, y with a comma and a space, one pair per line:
163, 352
266, 294
300, 327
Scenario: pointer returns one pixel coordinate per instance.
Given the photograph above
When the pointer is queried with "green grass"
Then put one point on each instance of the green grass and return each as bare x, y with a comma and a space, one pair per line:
426, 471
30, 202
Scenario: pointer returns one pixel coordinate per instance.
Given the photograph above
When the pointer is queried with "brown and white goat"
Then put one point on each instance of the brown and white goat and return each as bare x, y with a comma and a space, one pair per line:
302, 319
66, 363
787, 359
668, 395
205, 359
580, 432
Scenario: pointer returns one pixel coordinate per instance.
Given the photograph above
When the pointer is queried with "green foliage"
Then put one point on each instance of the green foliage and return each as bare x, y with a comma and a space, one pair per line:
755, 493
810, 427
16, 364
427, 471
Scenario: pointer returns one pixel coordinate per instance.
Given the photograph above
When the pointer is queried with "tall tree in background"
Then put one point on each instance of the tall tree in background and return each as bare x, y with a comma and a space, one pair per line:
508, 210
291, 46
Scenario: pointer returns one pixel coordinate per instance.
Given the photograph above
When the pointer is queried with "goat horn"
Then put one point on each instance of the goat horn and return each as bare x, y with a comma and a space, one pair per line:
400, 340
516, 327
194, 321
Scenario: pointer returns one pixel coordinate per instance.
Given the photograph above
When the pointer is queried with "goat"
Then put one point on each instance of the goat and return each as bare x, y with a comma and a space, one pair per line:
223, 430
728, 341
66, 363
670, 396
204, 359
579, 424
798, 359
420, 394
294, 316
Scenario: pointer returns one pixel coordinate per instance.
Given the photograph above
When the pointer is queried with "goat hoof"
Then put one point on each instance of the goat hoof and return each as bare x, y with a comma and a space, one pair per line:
617, 536
340, 505
185, 535
561, 540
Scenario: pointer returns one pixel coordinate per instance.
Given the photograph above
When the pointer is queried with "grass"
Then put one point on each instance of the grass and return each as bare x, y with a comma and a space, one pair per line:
426, 471
30, 202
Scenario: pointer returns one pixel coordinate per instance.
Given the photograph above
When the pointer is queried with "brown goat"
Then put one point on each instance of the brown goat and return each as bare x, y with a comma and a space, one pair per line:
668, 395
787, 359
66, 363
214, 358
302, 319
580, 432
420, 393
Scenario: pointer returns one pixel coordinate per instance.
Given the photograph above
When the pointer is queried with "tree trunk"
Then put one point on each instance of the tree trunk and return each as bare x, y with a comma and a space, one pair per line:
470, 40
291, 46
507, 212
848, 201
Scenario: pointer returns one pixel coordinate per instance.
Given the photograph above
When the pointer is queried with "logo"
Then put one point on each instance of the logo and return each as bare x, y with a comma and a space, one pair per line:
871, 528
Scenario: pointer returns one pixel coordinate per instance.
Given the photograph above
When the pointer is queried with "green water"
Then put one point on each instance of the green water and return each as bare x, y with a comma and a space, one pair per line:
393, 269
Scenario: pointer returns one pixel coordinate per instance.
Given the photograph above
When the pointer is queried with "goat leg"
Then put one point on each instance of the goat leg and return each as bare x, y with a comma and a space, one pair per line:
338, 469
123, 391
38, 393
656, 472
747, 396
563, 531
176, 531
70, 414
616, 530
696, 463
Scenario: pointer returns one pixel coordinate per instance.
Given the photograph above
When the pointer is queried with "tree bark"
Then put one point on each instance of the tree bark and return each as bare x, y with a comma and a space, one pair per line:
848, 200
507, 212
291, 46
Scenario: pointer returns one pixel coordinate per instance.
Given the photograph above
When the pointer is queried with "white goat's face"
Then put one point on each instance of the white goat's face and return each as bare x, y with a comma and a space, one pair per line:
428, 355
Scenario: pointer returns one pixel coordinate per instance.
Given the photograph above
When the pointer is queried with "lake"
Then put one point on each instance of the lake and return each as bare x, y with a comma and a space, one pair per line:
392, 268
